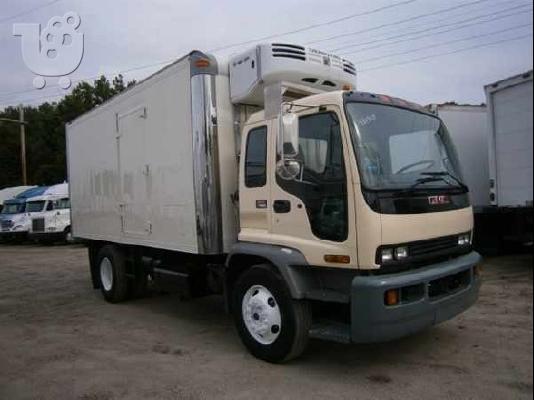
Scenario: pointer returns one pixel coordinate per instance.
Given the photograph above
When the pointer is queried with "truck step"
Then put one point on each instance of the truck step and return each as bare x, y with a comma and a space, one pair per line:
331, 330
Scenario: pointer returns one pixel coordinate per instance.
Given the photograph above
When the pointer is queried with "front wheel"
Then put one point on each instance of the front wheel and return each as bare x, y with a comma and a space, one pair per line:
272, 325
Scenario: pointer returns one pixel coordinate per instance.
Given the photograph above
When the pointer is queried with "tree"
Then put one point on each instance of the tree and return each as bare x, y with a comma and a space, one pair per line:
45, 133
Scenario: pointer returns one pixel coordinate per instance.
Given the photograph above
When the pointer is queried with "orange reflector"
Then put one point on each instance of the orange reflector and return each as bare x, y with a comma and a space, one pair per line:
337, 259
392, 297
347, 87
202, 63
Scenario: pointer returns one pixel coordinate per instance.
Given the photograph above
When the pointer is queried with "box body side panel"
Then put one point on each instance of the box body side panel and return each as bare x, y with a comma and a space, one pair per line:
131, 167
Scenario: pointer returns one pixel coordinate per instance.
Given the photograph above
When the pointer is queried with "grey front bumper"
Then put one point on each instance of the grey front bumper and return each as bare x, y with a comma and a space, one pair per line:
372, 321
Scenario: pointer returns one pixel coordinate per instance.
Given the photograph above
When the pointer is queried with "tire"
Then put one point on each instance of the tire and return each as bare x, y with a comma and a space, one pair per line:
112, 274
251, 301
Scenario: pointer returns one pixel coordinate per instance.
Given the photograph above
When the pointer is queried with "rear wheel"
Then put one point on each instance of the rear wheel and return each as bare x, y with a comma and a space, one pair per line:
112, 274
272, 325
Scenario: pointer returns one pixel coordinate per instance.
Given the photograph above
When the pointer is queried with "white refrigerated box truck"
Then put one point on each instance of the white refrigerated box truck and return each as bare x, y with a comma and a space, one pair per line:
510, 138
314, 209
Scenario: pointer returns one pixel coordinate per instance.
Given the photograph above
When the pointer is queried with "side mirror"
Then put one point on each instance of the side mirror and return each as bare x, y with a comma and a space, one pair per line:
290, 135
288, 169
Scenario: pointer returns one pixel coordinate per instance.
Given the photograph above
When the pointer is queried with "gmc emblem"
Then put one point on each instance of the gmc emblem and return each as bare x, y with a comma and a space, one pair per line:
439, 200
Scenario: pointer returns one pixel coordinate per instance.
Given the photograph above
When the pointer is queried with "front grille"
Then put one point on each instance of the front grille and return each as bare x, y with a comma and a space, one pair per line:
6, 224
432, 246
423, 253
38, 225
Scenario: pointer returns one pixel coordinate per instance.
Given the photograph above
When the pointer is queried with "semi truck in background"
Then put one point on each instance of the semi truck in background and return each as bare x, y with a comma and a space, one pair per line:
50, 219
14, 219
314, 209
11, 192
510, 140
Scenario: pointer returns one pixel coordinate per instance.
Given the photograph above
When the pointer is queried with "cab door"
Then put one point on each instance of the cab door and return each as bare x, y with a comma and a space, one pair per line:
255, 182
311, 211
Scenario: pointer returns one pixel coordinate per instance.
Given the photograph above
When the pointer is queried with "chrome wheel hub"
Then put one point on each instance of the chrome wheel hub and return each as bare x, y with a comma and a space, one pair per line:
261, 314
106, 274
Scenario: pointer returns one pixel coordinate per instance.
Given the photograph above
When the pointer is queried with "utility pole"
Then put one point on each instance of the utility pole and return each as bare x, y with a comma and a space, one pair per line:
22, 125
23, 145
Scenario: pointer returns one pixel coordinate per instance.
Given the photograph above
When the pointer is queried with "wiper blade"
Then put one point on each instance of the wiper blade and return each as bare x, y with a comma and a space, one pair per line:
446, 173
420, 181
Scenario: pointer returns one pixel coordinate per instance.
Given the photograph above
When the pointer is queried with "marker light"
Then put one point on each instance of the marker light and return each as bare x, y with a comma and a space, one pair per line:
337, 259
202, 63
392, 297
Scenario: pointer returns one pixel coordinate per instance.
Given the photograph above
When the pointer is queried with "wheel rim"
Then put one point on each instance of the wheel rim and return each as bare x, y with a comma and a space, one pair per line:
106, 274
261, 314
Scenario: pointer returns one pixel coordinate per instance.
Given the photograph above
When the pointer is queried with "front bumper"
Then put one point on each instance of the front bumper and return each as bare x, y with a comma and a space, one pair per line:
372, 321
54, 236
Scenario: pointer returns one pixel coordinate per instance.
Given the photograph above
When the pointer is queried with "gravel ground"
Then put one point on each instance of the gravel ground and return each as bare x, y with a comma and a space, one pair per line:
60, 340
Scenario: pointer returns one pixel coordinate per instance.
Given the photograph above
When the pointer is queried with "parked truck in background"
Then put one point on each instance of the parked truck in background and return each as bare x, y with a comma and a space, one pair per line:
468, 127
510, 140
52, 222
11, 192
15, 219
314, 209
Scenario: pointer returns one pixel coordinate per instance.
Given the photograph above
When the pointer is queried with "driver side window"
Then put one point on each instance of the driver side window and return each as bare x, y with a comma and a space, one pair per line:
321, 184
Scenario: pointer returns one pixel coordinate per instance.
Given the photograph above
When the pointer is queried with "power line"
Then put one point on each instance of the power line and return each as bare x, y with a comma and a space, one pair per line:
443, 44
314, 26
20, 14
462, 25
415, 18
303, 29
445, 54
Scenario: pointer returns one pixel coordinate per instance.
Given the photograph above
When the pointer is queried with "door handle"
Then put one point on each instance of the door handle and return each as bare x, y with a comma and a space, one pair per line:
282, 206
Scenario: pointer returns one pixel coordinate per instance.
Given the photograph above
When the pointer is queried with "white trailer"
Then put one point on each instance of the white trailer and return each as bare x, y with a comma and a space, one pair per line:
510, 120
302, 214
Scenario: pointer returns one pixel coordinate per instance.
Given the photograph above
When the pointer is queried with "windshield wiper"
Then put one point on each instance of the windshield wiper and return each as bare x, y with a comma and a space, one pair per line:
447, 173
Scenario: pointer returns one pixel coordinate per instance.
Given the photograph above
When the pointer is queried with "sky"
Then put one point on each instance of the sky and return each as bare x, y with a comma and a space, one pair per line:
426, 51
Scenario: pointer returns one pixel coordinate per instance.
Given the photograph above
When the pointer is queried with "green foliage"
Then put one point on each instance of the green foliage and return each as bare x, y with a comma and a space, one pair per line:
45, 133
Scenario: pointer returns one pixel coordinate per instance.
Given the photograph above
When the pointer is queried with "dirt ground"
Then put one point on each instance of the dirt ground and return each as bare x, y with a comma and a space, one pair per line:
60, 340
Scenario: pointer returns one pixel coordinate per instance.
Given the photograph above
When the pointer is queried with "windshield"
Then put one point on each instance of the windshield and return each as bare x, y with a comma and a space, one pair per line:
35, 206
398, 148
13, 208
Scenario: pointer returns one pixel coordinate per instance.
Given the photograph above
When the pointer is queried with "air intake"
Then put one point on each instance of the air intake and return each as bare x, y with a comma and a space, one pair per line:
294, 52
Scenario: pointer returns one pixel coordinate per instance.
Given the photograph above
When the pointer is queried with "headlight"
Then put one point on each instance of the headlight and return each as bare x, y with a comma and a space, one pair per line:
394, 253
464, 239
401, 253
386, 255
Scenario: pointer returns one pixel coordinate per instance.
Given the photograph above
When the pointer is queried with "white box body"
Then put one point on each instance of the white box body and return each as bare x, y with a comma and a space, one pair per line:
156, 165
510, 140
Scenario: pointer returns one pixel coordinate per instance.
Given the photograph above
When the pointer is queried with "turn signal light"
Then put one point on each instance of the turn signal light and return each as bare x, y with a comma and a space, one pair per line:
337, 259
392, 297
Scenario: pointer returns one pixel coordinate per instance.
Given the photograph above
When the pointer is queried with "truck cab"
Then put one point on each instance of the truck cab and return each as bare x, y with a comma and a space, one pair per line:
50, 218
14, 220
362, 195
